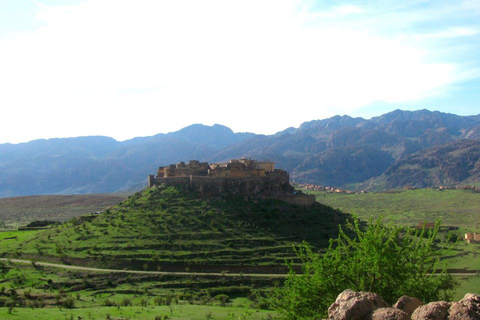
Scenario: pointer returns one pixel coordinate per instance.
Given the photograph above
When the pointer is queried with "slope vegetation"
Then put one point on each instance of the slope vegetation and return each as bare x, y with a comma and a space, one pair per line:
169, 229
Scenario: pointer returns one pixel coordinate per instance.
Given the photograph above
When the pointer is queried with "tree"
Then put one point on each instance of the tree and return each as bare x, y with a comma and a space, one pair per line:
384, 259
4, 268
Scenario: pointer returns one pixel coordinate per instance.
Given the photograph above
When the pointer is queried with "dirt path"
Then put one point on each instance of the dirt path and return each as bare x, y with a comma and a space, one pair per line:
215, 274
174, 273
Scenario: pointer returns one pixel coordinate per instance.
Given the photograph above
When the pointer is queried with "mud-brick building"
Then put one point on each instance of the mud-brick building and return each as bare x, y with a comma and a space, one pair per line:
241, 177
472, 237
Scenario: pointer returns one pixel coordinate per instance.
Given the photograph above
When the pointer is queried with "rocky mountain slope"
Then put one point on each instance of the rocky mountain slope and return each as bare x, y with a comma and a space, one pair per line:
345, 151
340, 151
449, 164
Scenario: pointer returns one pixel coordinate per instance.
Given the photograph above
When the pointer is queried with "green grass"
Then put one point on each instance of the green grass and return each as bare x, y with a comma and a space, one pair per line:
454, 207
182, 312
17, 236
466, 285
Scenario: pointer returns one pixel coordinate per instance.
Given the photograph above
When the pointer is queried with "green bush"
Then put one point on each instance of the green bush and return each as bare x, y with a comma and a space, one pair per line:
69, 303
126, 302
108, 303
383, 259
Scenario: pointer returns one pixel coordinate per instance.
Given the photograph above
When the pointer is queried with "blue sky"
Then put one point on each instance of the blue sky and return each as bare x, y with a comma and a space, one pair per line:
136, 68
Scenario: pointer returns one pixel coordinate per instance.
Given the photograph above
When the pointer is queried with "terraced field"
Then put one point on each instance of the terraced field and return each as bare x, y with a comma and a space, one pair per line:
166, 228
33, 291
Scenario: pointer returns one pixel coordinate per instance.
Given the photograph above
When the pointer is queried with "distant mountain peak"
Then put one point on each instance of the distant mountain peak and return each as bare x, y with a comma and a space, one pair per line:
336, 151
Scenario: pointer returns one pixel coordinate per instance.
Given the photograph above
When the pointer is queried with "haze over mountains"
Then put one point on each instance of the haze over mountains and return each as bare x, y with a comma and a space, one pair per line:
419, 148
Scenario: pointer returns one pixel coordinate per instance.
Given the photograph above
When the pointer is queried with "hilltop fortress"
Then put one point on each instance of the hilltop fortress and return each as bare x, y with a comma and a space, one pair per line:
241, 177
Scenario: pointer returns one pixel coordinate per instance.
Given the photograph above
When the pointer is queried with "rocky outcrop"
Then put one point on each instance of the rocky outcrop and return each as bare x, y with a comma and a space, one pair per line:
351, 305
408, 304
432, 311
388, 314
466, 309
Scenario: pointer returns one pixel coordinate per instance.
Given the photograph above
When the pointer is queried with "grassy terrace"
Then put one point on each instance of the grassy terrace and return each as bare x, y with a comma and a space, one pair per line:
35, 292
165, 227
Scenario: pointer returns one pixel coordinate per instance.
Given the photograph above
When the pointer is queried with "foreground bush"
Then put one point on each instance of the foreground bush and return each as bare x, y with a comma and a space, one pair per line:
384, 259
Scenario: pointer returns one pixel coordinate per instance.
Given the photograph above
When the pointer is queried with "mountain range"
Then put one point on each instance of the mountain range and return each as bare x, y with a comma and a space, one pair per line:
418, 148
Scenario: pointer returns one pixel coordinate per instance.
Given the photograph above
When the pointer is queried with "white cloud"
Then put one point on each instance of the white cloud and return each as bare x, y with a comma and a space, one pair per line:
124, 69
453, 32
339, 11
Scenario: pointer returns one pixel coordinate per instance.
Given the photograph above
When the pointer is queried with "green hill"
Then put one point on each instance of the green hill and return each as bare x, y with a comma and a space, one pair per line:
169, 228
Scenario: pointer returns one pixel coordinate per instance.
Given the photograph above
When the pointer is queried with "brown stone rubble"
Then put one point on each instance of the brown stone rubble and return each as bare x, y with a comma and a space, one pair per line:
351, 305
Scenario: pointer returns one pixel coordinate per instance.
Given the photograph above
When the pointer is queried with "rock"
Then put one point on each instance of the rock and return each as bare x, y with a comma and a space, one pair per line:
466, 309
388, 314
351, 305
408, 304
432, 311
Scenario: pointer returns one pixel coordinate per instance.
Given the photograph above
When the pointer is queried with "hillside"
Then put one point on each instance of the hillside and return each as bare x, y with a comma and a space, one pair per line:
339, 151
165, 227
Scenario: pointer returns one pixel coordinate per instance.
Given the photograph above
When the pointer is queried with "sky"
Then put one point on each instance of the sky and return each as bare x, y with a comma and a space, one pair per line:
124, 69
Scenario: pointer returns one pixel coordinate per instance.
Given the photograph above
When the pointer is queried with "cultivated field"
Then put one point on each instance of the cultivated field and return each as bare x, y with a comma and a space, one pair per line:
19, 211
459, 208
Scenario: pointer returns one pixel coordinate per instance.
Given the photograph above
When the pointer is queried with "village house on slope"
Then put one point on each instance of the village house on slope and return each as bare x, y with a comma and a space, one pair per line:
242, 177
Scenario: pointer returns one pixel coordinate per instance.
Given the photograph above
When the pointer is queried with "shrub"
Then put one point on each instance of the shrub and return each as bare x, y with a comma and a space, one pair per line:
108, 303
158, 301
383, 259
69, 302
223, 298
126, 302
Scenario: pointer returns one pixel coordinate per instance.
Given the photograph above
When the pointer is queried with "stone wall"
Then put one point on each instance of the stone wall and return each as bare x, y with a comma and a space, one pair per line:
272, 183
242, 177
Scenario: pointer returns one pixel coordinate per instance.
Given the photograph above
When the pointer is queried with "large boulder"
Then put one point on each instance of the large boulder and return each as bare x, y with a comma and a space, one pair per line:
351, 305
432, 311
407, 304
388, 314
466, 309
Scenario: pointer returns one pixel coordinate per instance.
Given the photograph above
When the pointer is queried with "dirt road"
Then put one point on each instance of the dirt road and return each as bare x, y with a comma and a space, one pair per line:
175, 273
80, 268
